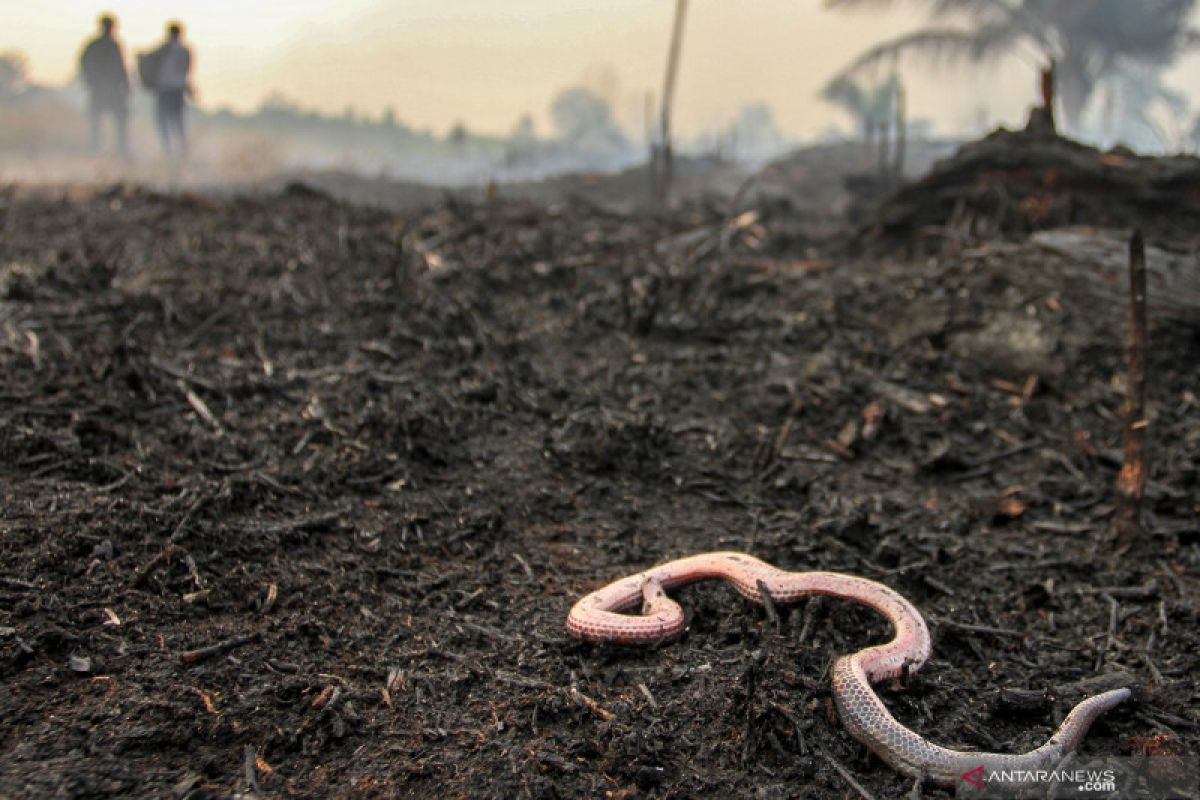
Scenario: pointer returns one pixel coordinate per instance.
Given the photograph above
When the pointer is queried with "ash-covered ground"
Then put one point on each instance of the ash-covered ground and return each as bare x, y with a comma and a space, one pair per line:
296, 496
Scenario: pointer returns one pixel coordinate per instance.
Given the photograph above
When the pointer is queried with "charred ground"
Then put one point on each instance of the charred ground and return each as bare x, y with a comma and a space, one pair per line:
369, 460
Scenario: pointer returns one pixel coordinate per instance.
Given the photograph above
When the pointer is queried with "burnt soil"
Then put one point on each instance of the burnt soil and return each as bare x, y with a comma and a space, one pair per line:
369, 460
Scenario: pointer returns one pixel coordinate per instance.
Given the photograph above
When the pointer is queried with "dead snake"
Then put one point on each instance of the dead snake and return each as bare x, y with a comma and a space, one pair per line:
594, 618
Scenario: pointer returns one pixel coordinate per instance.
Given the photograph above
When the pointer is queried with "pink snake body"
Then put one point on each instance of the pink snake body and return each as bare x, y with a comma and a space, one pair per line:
594, 618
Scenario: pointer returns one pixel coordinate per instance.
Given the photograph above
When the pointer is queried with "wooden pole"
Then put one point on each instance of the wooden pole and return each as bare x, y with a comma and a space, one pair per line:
651, 145
648, 119
1131, 483
664, 133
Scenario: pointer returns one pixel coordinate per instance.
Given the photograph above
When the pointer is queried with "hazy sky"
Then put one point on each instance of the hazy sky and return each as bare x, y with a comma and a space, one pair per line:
489, 61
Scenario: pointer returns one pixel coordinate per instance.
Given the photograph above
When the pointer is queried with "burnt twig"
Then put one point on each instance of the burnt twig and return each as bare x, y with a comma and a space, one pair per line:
1131, 484
791, 717
586, 702
220, 648
771, 455
1114, 615
171, 546
972, 628
845, 773
250, 768
769, 604
750, 678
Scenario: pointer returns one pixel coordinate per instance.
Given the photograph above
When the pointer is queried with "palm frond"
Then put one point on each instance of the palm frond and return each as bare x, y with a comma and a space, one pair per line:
937, 45
1140, 86
993, 40
867, 103
1028, 16
1149, 31
979, 9
851, 5
845, 92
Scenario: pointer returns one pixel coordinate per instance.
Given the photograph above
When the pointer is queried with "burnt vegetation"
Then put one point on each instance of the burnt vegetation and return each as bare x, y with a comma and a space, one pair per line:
296, 493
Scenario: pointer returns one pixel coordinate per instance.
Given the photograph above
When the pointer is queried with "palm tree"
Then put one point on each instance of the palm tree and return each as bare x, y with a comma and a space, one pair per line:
1088, 41
875, 109
872, 107
869, 106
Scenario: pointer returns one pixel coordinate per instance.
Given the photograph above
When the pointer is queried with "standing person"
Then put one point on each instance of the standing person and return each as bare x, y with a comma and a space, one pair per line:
102, 65
167, 72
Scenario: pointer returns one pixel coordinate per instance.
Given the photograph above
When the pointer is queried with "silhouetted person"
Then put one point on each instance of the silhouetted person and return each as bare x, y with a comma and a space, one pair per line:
102, 65
170, 68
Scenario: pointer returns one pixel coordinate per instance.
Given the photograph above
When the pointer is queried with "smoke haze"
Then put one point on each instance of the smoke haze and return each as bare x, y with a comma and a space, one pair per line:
464, 91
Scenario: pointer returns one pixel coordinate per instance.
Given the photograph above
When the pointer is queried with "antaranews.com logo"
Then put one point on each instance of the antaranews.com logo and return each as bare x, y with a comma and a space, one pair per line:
1130, 778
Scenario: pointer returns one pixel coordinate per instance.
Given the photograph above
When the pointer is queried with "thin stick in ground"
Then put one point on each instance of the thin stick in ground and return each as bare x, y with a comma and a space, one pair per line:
1131, 483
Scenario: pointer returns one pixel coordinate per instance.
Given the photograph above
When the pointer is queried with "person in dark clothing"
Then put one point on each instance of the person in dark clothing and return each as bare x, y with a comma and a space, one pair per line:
102, 65
172, 67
